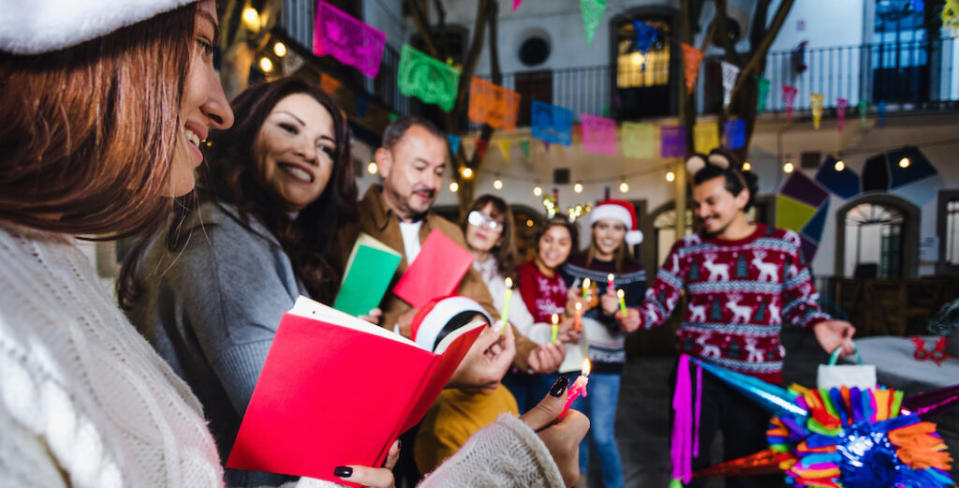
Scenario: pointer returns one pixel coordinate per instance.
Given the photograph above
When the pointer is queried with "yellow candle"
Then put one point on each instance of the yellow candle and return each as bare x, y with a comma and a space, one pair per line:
577, 325
504, 313
555, 329
586, 284
622, 301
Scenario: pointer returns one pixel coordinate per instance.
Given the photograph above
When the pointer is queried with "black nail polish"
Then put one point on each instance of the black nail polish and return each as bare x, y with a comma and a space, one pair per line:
343, 471
559, 386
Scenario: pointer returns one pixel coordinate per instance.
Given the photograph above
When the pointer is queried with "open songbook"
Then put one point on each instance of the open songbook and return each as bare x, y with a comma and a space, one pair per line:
336, 390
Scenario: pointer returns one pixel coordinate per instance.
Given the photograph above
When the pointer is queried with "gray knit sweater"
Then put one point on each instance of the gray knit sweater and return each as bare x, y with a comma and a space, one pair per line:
211, 312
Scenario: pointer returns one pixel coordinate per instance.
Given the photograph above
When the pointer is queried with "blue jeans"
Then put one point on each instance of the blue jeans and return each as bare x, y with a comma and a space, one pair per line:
603, 392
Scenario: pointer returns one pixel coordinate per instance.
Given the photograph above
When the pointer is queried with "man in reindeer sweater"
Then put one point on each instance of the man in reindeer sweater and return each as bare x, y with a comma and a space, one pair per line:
742, 280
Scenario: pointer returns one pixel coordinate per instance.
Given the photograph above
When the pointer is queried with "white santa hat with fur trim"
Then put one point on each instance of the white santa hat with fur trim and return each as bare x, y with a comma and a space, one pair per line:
433, 319
622, 211
39, 26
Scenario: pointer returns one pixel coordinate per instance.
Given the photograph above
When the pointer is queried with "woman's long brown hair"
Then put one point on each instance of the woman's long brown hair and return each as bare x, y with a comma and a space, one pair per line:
505, 251
90, 131
230, 176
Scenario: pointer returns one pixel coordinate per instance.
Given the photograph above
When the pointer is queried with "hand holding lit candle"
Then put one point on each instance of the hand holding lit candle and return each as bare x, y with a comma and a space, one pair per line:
555, 329
578, 388
622, 301
506, 297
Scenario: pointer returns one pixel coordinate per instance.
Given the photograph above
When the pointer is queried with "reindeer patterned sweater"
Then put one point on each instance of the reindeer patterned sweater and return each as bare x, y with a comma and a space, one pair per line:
739, 293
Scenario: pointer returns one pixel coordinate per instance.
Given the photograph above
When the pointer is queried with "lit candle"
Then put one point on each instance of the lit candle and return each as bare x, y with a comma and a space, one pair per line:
578, 388
622, 301
609, 282
555, 329
577, 325
586, 284
506, 296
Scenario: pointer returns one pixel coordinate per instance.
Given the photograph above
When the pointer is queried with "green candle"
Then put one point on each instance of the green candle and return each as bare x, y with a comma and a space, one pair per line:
504, 313
555, 329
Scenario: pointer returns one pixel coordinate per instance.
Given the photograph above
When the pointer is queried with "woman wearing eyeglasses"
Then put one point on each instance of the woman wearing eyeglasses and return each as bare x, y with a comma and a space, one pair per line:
489, 233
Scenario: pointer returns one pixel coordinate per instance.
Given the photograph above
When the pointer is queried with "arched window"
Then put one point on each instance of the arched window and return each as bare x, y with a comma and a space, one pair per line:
877, 237
873, 242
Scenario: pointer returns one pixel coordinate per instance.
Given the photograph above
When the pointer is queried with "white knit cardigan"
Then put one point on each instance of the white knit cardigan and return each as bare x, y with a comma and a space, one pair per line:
85, 401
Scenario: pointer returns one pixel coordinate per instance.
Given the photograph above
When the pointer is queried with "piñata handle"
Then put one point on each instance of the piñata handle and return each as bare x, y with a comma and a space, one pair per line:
834, 357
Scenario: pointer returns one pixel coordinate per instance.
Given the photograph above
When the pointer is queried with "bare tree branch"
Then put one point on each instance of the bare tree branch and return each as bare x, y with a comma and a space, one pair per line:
759, 52
724, 40
472, 56
422, 27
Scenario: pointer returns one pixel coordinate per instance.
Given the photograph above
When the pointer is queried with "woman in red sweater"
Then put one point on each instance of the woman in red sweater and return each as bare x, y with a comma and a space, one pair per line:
544, 292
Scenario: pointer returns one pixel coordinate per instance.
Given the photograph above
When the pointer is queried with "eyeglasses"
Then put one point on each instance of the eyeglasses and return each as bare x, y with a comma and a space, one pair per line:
477, 219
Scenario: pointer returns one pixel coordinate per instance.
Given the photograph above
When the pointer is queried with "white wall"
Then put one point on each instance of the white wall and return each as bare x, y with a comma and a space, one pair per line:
822, 23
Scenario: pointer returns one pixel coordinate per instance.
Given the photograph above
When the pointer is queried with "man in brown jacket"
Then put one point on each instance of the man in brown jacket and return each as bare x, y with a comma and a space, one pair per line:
412, 162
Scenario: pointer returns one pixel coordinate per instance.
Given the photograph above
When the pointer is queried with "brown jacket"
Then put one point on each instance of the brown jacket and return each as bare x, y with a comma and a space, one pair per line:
375, 218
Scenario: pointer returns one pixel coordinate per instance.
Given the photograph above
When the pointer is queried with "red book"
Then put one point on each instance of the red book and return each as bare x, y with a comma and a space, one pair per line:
436, 271
336, 390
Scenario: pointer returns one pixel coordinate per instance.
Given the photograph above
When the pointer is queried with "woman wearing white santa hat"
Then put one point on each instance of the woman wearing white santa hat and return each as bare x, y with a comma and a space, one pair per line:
106, 103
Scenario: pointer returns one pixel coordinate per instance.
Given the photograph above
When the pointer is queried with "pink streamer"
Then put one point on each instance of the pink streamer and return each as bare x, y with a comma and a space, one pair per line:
349, 40
699, 404
789, 97
516, 4
680, 445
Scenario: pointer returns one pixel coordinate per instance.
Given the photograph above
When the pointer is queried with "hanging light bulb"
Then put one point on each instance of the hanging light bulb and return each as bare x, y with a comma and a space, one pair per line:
266, 65
623, 186
498, 184
788, 167
904, 163
747, 166
578, 187
530, 223
840, 165
251, 18
279, 49
372, 168
670, 176
466, 172
454, 187
538, 190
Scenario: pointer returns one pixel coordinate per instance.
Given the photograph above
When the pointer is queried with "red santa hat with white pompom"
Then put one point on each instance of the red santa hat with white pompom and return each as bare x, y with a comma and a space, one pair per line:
622, 211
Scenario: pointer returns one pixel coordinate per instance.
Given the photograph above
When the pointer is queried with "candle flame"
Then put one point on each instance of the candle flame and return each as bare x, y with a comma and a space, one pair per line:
586, 366
555, 319
620, 293
610, 277
579, 305
509, 282
586, 283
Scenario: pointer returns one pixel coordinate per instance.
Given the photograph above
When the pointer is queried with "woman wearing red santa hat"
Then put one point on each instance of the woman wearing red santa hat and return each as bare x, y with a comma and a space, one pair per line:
613, 227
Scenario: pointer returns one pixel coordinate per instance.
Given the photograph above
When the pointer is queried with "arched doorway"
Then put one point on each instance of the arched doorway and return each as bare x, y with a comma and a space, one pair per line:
877, 236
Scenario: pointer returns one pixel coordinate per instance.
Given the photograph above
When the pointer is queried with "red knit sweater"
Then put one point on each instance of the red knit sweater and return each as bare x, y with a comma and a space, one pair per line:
740, 293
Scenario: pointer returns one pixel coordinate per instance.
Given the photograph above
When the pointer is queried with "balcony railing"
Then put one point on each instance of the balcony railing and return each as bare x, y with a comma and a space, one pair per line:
912, 75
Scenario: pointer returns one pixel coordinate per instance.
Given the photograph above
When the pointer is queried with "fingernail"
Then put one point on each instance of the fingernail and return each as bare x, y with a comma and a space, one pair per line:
559, 387
343, 471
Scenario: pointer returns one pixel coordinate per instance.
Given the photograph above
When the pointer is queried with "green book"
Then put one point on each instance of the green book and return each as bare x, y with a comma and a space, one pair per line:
369, 271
